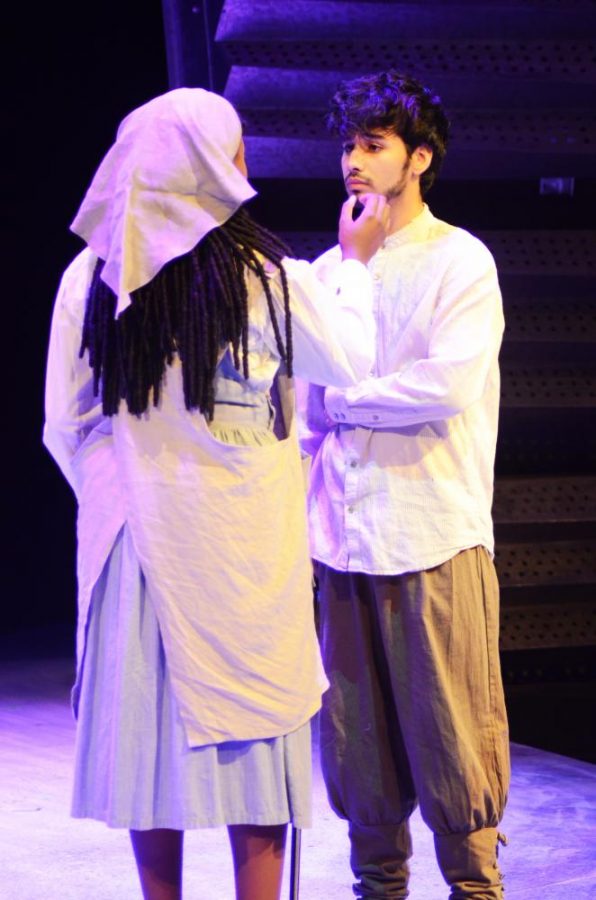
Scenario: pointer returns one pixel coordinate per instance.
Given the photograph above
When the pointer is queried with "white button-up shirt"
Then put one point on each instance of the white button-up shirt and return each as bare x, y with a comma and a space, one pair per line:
402, 470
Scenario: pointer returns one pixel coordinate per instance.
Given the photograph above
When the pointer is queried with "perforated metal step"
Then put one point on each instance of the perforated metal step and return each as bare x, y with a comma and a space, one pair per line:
548, 625
316, 20
543, 386
548, 319
560, 563
543, 252
277, 88
295, 143
562, 500
548, 594
286, 157
432, 59
542, 131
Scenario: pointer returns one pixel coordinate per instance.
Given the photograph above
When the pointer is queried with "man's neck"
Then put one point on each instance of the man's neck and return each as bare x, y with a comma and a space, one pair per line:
403, 210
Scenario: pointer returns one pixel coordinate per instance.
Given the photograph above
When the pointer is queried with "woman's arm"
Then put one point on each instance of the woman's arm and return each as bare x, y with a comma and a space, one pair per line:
72, 411
332, 323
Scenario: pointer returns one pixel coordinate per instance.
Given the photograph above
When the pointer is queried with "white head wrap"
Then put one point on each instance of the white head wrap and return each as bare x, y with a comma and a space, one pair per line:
167, 181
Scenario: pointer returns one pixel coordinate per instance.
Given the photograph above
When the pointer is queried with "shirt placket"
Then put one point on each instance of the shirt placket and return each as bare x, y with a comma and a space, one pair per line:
354, 482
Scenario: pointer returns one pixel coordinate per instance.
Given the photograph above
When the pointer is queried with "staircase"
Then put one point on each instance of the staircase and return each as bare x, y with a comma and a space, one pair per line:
519, 82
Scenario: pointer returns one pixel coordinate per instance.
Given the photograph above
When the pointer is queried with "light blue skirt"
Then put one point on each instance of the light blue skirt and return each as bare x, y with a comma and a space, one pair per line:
133, 767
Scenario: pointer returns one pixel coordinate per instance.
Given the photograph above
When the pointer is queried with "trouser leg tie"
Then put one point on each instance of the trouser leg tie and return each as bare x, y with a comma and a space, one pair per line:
469, 865
379, 859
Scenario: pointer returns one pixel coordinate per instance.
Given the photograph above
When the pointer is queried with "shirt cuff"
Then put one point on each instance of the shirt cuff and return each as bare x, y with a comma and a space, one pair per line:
338, 409
352, 274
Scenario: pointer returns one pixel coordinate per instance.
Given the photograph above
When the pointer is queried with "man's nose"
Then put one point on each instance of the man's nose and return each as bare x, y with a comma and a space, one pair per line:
353, 160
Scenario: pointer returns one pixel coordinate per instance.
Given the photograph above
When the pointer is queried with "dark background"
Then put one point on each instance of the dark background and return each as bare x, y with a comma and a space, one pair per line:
76, 70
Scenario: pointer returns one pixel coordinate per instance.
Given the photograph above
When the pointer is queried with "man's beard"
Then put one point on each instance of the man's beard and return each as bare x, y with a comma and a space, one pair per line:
399, 186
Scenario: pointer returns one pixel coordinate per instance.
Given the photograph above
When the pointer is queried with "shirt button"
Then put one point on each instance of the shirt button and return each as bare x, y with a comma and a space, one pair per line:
350, 509
375, 417
354, 463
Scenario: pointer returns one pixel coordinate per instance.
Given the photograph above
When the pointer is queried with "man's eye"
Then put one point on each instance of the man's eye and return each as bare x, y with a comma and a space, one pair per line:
347, 148
374, 147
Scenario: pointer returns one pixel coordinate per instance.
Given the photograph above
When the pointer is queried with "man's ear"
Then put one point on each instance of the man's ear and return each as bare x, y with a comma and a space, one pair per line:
421, 159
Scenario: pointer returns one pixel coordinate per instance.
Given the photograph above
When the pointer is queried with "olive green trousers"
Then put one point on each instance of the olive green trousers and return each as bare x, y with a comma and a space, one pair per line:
415, 714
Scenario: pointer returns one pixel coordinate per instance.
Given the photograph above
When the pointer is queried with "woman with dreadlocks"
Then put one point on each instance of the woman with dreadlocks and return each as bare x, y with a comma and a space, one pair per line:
198, 665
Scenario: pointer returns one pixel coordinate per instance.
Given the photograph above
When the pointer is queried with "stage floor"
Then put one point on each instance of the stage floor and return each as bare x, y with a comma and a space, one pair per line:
550, 820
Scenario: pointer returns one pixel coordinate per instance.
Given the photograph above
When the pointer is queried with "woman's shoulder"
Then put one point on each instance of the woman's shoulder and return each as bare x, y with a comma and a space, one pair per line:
74, 287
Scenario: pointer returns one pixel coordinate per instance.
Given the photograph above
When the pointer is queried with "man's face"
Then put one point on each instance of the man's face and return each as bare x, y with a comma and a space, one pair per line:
376, 162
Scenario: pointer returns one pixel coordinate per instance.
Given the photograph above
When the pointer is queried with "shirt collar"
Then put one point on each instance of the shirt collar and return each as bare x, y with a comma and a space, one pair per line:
411, 232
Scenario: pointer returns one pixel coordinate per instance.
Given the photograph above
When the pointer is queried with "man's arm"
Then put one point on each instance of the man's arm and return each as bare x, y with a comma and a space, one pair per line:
464, 339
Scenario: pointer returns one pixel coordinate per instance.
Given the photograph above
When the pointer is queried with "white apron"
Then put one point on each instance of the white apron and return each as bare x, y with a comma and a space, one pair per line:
235, 604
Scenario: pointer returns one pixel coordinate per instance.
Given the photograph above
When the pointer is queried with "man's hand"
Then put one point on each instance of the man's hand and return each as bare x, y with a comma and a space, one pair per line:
361, 238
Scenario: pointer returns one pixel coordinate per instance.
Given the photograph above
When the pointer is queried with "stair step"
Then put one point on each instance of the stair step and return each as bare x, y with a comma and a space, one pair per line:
549, 319
268, 20
561, 500
264, 85
290, 157
258, 86
544, 386
544, 61
536, 130
546, 564
543, 252
548, 625
548, 593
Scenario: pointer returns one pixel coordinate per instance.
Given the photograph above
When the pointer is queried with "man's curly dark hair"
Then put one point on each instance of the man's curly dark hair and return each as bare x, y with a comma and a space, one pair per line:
390, 101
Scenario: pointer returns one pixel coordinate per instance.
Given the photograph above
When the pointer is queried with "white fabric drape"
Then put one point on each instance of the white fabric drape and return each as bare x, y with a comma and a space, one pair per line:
167, 181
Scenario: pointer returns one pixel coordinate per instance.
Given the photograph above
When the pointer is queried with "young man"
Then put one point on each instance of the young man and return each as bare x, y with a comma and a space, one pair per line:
401, 531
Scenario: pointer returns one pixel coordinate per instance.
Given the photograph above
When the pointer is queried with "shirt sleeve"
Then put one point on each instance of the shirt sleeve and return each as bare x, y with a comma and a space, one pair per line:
313, 419
463, 342
72, 411
333, 328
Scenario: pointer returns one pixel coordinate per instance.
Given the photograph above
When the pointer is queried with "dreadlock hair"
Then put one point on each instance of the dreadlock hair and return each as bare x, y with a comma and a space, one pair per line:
193, 307
390, 101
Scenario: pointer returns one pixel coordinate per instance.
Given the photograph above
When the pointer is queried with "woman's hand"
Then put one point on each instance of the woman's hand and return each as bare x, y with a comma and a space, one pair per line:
361, 238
